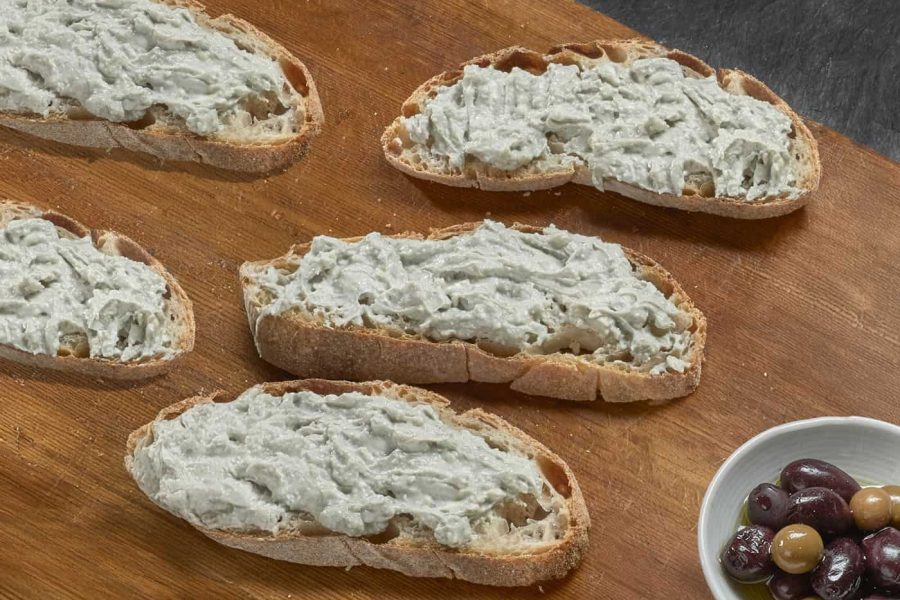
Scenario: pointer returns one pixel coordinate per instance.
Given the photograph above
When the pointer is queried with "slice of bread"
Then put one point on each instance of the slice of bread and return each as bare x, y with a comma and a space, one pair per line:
74, 349
522, 544
259, 132
301, 343
557, 167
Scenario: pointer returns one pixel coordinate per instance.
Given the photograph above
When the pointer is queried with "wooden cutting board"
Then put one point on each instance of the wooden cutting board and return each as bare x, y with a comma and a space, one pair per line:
804, 320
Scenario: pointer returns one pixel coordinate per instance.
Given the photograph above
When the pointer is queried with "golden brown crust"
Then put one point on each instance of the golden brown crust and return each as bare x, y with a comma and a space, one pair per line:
180, 305
176, 145
306, 348
414, 557
528, 179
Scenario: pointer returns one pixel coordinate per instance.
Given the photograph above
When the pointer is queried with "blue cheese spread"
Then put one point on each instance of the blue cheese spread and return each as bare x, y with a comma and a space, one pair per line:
537, 293
118, 58
645, 124
350, 462
57, 292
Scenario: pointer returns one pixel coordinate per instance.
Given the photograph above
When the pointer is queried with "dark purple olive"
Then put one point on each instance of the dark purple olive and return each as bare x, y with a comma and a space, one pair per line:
748, 557
821, 509
767, 505
882, 552
810, 472
784, 586
839, 574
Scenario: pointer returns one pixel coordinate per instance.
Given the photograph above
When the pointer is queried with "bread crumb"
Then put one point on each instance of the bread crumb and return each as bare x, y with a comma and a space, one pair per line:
557, 193
388, 226
526, 194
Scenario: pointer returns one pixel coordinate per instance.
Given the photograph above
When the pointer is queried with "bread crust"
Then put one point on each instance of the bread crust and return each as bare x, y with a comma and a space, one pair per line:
180, 305
306, 348
176, 145
414, 557
480, 175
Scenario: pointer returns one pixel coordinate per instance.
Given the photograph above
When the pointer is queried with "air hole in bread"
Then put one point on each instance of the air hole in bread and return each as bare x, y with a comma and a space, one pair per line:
143, 123
519, 511
129, 250
589, 50
74, 345
566, 59
555, 474
295, 76
693, 63
65, 223
391, 532
78, 113
707, 190
263, 106
526, 60
614, 53
496, 349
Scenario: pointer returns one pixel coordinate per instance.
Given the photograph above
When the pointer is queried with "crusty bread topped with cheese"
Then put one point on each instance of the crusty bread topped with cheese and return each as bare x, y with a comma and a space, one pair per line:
631, 116
550, 312
155, 76
86, 301
334, 473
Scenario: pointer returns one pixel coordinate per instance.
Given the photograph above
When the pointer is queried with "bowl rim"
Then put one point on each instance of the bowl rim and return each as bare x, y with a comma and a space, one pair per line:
709, 562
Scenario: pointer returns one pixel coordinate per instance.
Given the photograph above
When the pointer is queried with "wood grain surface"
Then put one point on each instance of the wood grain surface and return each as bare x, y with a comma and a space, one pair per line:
803, 321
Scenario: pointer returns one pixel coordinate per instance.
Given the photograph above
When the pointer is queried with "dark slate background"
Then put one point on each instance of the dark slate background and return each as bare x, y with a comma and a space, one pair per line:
833, 61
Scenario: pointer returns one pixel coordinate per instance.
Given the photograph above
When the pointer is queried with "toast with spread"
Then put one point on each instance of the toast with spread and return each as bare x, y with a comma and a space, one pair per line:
549, 312
86, 301
155, 76
629, 116
332, 473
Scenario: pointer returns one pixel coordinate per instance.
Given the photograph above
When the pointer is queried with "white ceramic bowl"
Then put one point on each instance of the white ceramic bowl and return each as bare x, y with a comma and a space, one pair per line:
867, 449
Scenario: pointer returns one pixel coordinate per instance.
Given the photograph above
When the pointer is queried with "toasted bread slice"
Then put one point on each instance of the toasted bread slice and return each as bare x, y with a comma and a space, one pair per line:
505, 556
73, 353
549, 171
271, 133
302, 344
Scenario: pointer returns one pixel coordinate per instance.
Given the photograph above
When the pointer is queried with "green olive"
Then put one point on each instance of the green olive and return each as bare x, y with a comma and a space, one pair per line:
894, 492
797, 549
871, 508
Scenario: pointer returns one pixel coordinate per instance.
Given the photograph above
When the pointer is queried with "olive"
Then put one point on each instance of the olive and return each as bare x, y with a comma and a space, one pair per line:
786, 586
894, 492
810, 472
840, 573
767, 505
871, 508
822, 509
882, 552
748, 557
797, 549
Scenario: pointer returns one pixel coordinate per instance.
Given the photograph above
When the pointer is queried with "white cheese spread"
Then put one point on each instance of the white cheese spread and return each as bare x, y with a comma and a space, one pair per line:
118, 58
351, 462
56, 291
537, 293
645, 124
